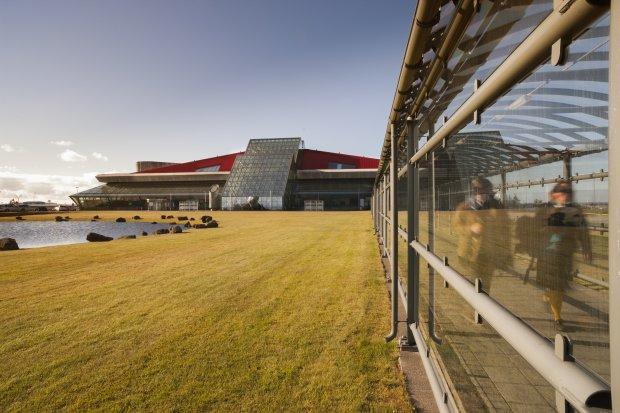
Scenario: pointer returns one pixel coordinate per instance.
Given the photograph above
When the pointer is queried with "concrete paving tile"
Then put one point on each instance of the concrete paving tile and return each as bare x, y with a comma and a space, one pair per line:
548, 393
520, 393
533, 376
485, 347
489, 389
528, 408
501, 406
494, 359
507, 348
506, 375
477, 370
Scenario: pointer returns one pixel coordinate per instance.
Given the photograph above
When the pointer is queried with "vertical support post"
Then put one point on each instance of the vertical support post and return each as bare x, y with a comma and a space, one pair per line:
413, 207
378, 207
567, 168
386, 208
372, 209
563, 350
503, 189
383, 212
614, 202
431, 247
393, 231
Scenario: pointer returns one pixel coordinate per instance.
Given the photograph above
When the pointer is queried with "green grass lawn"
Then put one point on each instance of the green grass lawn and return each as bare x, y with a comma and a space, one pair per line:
272, 311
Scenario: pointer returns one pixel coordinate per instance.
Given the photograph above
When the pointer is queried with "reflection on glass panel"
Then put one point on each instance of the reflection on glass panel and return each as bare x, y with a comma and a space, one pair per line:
493, 34
521, 200
402, 261
401, 200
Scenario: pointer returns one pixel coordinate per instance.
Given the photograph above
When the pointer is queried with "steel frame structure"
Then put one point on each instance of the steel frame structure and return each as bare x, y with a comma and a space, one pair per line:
576, 388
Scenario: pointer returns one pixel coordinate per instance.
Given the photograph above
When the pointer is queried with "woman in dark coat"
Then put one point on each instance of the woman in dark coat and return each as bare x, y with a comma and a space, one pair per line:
563, 230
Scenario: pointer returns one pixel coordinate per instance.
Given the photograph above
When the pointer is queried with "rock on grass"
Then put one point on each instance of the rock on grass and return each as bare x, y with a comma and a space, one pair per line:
8, 244
94, 237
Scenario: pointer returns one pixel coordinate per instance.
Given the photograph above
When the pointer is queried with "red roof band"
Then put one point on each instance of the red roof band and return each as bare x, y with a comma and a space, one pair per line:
307, 159
313, 159
225, 162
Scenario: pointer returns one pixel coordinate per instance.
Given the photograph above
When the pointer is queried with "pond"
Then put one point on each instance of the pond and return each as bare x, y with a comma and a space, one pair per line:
45, 233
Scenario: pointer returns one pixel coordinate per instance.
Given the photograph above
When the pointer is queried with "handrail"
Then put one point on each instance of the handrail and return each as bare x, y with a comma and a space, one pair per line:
532, 52
578, 386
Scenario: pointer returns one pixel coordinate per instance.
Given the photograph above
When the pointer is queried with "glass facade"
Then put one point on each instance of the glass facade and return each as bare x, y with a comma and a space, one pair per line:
149, 195
262, 172
516, 203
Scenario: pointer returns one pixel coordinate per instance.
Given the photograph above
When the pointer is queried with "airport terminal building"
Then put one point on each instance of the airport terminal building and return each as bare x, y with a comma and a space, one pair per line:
276, 174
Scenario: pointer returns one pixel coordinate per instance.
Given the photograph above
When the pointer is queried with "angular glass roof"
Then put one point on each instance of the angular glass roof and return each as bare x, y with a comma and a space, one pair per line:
264, 169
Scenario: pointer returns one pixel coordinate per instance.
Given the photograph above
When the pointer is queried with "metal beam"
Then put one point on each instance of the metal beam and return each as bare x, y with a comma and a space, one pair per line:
614, 201
413, 261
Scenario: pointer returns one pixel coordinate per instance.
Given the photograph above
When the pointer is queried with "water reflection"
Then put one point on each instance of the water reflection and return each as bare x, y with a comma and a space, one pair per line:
44, 233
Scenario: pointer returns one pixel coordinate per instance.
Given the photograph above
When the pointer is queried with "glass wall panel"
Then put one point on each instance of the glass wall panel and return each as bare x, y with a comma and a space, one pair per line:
522, 200
492, 35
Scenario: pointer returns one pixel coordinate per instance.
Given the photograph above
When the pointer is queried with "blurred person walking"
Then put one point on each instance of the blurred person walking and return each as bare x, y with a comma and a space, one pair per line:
483, 238
563, 229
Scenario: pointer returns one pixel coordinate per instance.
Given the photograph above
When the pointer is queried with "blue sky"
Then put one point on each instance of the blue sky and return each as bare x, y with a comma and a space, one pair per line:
93, 86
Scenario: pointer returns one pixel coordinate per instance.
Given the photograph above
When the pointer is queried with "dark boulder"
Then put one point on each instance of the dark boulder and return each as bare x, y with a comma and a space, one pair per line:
172, 223
96, 217
58, 218
176, 229
144, 233
182, 218
163, 217
192, 219
200, 226
19, 218
127, 237
8, 244
154, 223
94, 237
212, 224
169, 217
206, 218
136, 217
162, 231
93, 220
121, 220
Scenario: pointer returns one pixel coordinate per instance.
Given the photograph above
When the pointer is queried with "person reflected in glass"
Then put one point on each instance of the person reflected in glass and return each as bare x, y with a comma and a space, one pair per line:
481, 223
564, 229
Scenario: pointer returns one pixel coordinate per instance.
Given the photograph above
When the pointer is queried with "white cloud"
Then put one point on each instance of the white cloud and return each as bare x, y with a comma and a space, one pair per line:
100, 156
62, 143
43, 187
8, 148
70, 155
